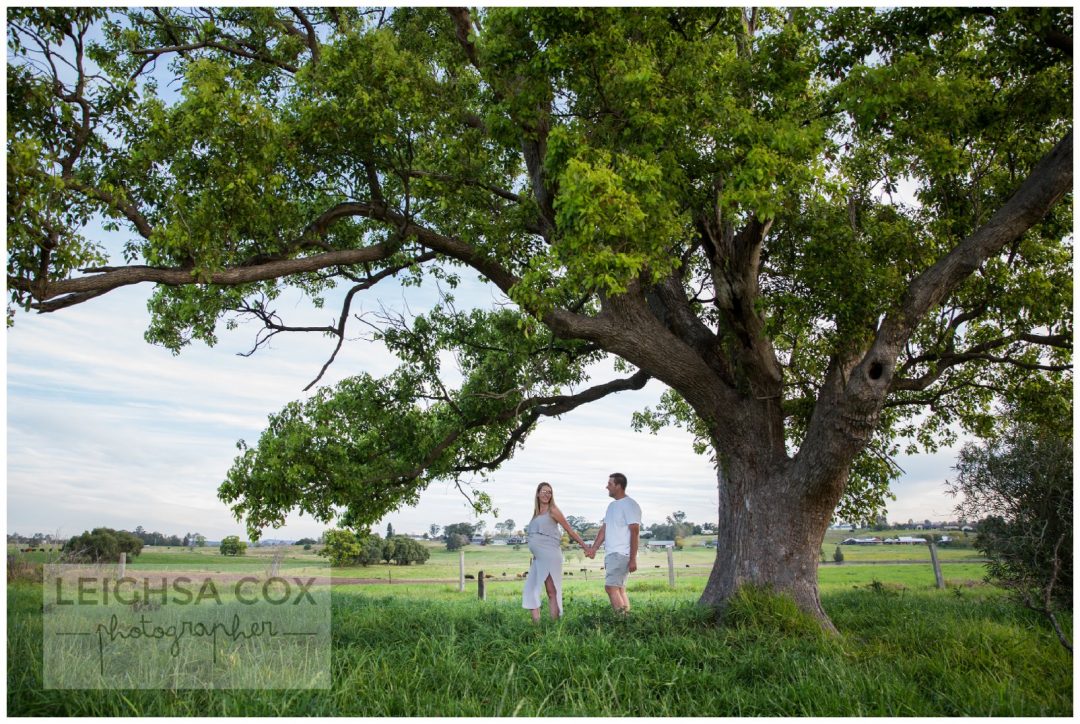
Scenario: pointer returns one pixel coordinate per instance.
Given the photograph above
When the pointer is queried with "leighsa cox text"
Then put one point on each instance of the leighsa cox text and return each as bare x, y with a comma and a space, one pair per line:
182, 590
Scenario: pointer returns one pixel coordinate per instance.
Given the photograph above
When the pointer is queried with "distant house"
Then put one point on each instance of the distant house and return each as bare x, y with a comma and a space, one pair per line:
967, 529
860, 541
657, 544
499, 541
477, 540
516, 540
905, 539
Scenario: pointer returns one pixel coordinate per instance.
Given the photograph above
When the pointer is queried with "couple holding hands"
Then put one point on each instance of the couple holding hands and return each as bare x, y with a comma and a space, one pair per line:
619, 533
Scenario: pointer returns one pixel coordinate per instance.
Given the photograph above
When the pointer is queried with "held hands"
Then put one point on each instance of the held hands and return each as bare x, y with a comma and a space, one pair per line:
590, 552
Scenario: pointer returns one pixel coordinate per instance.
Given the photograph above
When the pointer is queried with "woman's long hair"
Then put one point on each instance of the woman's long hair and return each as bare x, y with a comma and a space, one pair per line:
536, 499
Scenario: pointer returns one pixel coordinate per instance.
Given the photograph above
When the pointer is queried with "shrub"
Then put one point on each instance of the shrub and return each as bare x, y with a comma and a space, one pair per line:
388, 549
103, 544
1022, 480
371, 550
341, 547
456, 541
407, 551
838, 555
232, 546
22, 569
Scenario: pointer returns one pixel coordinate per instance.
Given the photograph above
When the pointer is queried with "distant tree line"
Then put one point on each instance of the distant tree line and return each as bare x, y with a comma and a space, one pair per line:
881, 523
36, 540
145, 537
676, 527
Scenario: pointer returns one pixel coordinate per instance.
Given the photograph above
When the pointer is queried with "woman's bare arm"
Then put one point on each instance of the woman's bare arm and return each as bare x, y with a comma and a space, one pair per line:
561, 520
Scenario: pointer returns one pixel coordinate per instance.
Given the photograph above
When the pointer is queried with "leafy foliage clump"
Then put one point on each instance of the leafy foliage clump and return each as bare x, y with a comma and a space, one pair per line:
344, 547
1022, 481
231, 545
103, 544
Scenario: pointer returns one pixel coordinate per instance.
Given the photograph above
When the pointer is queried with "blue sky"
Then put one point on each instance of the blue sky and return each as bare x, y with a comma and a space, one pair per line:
105, 429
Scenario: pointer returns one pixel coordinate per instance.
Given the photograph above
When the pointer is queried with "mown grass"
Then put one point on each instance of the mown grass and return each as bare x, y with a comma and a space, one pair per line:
416, 650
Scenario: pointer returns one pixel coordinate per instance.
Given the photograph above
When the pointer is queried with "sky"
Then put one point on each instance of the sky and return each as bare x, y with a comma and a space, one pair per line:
104, 429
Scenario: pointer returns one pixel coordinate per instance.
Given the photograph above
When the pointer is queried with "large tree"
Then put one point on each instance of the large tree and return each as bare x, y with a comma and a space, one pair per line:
823, 231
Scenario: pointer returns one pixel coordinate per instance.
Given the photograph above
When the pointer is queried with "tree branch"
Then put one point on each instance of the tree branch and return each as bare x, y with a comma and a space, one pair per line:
311, 37
516, 436
533, 408
1047, 183
947, 360
462, 29
129, 210
65, 293
502, 193
854, 396
735, 262
534, 131
197, 45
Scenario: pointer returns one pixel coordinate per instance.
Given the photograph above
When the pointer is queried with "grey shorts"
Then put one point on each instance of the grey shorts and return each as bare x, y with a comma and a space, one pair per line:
616, 569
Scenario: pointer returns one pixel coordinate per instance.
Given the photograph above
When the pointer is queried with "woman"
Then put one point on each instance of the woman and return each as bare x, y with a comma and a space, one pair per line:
545, 572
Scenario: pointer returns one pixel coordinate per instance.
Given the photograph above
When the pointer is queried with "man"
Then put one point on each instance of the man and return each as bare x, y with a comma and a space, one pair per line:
622, 523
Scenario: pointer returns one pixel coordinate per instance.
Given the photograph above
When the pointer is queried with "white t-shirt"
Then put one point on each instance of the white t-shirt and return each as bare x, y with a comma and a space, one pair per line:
617, 520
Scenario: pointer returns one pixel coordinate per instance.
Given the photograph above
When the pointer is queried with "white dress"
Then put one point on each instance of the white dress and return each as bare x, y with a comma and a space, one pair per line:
544, 544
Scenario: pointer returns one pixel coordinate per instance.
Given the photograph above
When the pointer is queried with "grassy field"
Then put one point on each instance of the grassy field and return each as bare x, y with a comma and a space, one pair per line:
425, 649
506, 562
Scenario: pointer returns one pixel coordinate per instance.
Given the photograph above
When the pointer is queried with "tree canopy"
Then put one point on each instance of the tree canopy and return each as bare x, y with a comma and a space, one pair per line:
231, 545
825, 231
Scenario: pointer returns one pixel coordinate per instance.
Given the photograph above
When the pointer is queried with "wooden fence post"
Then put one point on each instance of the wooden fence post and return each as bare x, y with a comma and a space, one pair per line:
938, 578
670, 568
480, 586
461, 571
123, 564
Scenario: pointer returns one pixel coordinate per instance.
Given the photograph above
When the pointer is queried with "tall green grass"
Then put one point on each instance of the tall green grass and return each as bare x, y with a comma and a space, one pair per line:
430, 651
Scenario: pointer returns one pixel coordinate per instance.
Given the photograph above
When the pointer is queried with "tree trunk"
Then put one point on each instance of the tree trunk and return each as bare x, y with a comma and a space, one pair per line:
770, 536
